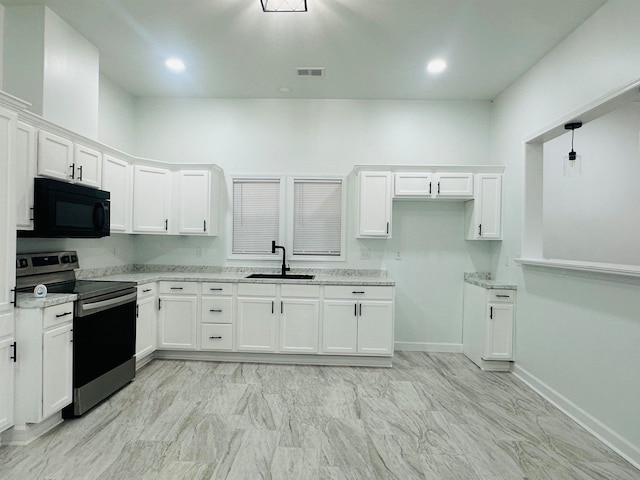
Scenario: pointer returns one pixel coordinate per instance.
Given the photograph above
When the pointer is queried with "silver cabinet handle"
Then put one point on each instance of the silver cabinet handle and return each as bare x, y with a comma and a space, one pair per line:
146, 290
177, 288
215, 310
64, 314
73, 171
358, 292
215, 289
80, 173
503, 296
215, 338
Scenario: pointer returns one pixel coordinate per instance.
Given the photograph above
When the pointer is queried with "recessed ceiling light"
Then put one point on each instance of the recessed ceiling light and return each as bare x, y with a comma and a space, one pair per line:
174, 64
437, 65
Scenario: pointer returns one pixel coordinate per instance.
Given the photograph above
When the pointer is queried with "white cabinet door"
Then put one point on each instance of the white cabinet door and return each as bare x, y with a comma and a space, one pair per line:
26, 159
88, 165
57, 365
177, 322
375, 328
453, 185
151, 199
7, 375
8, 123
55, 157
412, 184
487, 208
194, 187
116, 179
146, 321
340, 327
375, 205
499, 332
299, 319
256, 324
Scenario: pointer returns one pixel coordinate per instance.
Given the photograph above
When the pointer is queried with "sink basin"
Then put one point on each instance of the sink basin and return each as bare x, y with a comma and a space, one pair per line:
280, 276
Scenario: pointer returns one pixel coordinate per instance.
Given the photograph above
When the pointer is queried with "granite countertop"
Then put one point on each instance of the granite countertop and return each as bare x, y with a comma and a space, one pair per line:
484, 280
27, 300
240, 277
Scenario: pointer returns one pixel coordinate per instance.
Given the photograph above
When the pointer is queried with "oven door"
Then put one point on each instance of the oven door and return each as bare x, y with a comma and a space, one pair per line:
104, 334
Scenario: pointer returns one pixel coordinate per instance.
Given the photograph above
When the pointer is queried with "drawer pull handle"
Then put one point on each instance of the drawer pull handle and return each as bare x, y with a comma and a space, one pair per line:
215, 310
146, 290
503, 296
64, 314
215, 338
361, 292
177, 288
215, 289
491, 313
14, 347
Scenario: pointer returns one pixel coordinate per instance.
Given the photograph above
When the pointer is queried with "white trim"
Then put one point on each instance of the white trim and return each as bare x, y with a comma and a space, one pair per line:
602, 432
605, 271
428, 347
23, 434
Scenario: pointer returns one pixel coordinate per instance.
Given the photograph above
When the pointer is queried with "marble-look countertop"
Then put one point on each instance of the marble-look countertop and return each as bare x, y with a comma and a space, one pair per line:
240, 277
27, 300
484, 280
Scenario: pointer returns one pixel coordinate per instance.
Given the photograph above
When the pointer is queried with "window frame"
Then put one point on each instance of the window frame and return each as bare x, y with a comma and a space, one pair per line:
287, 198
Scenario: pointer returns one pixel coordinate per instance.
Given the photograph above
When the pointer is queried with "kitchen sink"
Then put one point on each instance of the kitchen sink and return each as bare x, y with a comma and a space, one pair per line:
280, 276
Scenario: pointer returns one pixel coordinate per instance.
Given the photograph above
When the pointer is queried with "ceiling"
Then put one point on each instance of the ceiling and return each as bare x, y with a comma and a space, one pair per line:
370, 49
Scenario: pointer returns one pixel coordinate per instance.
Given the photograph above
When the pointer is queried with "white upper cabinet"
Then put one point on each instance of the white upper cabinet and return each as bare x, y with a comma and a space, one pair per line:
88, 166
194, 202
151, 199
433, 185
116, 179
59, 158
26, 159
375, 205
55, 157
484, 214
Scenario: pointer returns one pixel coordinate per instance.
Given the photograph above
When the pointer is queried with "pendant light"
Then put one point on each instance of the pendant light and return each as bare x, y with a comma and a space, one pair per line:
572, 162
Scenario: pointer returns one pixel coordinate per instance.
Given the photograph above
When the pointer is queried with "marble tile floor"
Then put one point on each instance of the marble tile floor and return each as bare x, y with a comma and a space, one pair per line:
431, 416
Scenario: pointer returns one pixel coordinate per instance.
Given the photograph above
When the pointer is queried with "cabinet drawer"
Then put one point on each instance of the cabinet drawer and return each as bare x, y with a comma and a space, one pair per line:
6, 324
358, 291
147, 290
505, 296
307, 291
257, 289
214, 288
177, 288
217, 310
58, 314
216, 337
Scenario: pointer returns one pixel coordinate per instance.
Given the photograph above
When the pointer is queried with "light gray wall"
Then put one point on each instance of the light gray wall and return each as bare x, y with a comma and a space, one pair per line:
116, 116
330, 137
594, 217
577, 336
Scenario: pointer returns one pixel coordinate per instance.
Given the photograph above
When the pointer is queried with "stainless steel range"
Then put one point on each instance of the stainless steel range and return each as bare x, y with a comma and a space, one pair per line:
104, 325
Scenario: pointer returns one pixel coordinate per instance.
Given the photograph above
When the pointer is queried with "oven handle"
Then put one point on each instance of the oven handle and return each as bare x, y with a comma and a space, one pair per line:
112, 302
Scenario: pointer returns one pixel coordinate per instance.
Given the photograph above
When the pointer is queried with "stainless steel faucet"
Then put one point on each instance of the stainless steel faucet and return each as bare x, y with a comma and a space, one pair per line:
285, 269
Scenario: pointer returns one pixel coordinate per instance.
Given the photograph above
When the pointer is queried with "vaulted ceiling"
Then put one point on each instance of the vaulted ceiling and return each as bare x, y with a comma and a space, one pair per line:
369, 49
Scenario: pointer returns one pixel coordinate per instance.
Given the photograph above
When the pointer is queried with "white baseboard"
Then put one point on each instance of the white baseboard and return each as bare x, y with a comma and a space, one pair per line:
25, 433
609, 437
428, 347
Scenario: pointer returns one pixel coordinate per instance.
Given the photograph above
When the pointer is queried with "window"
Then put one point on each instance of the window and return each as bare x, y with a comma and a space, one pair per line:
256, 215
304, 214
317, 217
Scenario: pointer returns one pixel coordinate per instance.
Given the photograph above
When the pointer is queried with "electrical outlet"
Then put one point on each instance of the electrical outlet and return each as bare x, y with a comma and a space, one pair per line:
113, 250
507, 260
398, 255
365, 253
198, 252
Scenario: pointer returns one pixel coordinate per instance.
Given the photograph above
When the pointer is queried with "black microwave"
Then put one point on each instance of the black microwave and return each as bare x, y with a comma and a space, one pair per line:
66, 210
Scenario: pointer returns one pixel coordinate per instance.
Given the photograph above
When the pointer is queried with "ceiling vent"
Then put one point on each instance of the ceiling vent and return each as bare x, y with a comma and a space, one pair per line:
310, 71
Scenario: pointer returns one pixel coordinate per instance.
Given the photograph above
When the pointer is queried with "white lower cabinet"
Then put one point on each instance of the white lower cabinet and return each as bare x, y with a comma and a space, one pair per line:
146, 320
299, 318
256, 320
7, 369
358, 320
177, 317
45, 361
216, 316
488, 326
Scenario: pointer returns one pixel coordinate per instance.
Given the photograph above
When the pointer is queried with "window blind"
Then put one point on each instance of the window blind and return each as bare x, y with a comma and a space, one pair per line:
317, 217
256, 215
